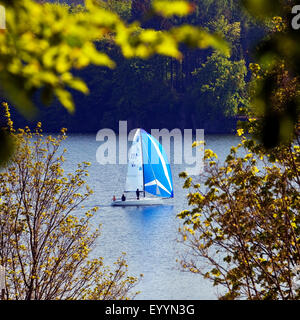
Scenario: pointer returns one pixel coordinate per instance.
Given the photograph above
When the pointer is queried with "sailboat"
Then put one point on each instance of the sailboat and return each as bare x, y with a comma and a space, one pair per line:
148, 171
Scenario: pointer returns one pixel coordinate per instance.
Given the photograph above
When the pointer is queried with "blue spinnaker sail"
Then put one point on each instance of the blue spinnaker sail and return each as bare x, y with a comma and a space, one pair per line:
157, 172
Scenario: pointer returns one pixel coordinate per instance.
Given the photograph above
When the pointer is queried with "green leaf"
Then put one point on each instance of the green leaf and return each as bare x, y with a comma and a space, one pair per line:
263, 8
14, 90
6, 147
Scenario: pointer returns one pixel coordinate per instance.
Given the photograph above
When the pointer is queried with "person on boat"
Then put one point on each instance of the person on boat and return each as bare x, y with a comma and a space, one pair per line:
114, 198
137, 194
123, 197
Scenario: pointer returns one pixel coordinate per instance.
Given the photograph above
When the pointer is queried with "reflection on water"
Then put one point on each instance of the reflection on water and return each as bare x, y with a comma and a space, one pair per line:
147, 234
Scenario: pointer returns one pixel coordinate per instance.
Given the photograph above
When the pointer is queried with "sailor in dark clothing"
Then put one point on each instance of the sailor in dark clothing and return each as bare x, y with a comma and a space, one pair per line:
137, 193
123, 197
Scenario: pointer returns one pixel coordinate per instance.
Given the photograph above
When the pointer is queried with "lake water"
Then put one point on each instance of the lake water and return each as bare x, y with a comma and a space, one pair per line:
147, 234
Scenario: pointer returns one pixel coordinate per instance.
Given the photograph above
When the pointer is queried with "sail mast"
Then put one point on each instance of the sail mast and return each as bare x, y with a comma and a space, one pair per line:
142, 161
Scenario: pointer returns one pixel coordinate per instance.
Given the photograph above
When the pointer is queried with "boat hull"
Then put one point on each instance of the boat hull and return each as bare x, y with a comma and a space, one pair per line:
135, 202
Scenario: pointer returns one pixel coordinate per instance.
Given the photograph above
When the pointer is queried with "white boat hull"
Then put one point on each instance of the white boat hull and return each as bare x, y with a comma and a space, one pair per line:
135, 202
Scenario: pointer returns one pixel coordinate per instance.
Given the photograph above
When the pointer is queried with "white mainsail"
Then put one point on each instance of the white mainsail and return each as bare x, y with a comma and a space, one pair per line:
135, 178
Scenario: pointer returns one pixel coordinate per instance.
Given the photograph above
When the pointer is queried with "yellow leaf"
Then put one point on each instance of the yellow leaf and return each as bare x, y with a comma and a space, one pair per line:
48, 77
254, 170
169, 48
149, 35
171, 8
79, 85
96, 57
200, 38
65, 98
240, 132
207, 223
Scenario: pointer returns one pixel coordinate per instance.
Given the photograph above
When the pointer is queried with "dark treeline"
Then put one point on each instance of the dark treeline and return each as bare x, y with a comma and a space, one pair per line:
205, 90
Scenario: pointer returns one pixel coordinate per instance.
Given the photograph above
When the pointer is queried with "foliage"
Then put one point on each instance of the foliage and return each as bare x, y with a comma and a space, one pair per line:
263, 9
222, 86
38, 56
40, 53
166, 88
281, 46
218, 87
121, 8
7, 143
280, 113
230, 31
45, 241
243, 228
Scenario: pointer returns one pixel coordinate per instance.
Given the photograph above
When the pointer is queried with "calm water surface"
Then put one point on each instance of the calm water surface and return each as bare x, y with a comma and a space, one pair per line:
147, 234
